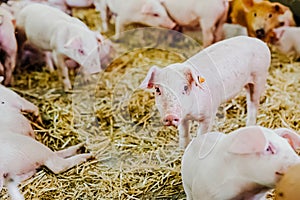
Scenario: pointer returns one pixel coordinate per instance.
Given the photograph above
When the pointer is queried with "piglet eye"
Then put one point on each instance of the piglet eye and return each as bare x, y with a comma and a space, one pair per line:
81, 51
254, 14
270, 150
270, 15
156, 15
186, 88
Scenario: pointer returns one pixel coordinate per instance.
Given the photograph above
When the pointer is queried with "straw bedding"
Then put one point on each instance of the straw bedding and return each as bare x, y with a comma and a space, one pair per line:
135, 156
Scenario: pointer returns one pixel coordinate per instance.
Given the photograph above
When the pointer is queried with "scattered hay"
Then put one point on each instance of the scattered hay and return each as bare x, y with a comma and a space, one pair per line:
136, 157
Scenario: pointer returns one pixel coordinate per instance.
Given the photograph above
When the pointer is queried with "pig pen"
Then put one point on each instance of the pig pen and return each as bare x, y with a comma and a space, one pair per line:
136, 157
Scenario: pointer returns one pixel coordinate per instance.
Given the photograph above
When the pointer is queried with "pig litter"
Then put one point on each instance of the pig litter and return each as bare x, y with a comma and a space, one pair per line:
136, 157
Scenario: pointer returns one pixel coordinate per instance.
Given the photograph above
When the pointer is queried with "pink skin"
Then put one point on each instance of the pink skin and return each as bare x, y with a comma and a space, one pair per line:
22, 155
13, 100
8, 44
147, 12
194, 89
13, 120
288, 41
238, 165
66, 37
210, 16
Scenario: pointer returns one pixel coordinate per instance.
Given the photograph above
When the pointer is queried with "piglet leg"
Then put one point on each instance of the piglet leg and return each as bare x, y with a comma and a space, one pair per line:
10, 63
184, 134
71, 151
12, 188
254, 92
29, 107
58, 164
63, 71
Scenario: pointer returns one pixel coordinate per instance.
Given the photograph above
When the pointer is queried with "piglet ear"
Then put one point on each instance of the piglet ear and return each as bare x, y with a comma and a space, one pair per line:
292, 137
148, 82
193, 76
248, 140
74, 43
147, 8
279, 8
248, 4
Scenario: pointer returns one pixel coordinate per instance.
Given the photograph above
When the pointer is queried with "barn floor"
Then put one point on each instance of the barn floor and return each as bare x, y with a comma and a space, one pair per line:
135, 156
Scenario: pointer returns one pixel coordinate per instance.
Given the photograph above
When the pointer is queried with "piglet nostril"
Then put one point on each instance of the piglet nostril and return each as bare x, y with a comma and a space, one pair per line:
170, 120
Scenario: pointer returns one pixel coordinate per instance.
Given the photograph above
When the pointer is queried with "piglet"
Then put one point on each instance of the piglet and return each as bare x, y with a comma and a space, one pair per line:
194, 89
20, 156
210, 15
288, 188
260, 17
147, 12
287, 40
8, 44
238, 165
66, 37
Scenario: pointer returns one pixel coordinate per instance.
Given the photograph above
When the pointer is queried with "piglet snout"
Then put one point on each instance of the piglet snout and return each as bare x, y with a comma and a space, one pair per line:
260, 33
171, 120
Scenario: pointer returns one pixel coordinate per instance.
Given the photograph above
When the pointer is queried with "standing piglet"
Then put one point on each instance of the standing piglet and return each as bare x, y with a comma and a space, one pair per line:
147, 12
194, 89
8, 44
20, 156
211, 15
288, 40
237, 165
66, 37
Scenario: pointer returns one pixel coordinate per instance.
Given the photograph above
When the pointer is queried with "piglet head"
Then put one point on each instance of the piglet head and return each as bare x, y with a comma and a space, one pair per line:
154, 14
261, 155
85, 51
175, 91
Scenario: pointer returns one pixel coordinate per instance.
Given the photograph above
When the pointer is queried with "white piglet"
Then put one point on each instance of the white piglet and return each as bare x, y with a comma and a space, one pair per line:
288, 40
66, 37
21, 155
194, 89
147, 12
238, 165
210, 15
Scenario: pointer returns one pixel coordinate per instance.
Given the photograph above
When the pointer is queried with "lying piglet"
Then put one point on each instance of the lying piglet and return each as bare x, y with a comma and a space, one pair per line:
238, 165
8, 44
288, 187
147, 12
20, 156
288, 40
194, 89
66, 37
